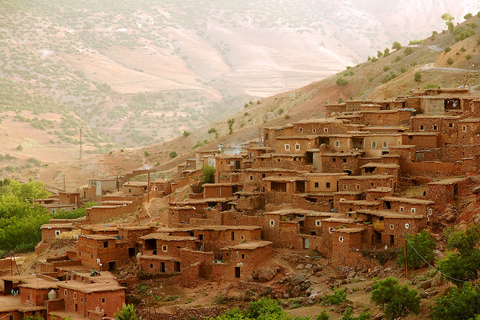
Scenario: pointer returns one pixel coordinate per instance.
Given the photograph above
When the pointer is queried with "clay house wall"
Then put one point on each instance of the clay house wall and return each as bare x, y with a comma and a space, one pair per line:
213, 238
346, 196
443, 124
135, 187
200, 157
380, 168
422, 140
165, 245
99, 229
357, 183
338, 143
296, 144
190, 257
98, 214
408, 205
289, 235
98, 187
330, 109
250, 202
81, 299
181, 215
33, 295
219, 190
343, 241
153, 264
432, 105
442, 192
131, 235
376, 145
340, 162
51, 231
93, 247
243, 259
69, 197
312, 225
313, 201
253, 152
355, 105
161, 185
354, 205
322, 182
58, 207
469, 131
285, 184
386, 117
378, 193
253, 178
319, 127
407, 154
283, 161
225, 164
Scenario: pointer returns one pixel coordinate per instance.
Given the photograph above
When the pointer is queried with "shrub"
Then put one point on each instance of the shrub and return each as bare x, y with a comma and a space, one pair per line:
186, 133
398, 58
457, 304
280, 111
450, 61
370, 79
19, 147
395, 300
408, 51
173, 154
463, 49
146, 153
287, 116
417, 77
447, 49
396, 45
386, 68
403, 69
467, 16
212, 130
340, 100
468, 57
341, 81
127, 313
374, 59
336, 298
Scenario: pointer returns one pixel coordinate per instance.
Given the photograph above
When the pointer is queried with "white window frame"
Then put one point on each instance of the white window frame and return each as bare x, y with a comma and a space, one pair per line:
272, 223
340, 239
318, 223
385, 144
57, 232
297, 146
287, 147
164, 248
374, 144
337, 144
330, 230
413, 210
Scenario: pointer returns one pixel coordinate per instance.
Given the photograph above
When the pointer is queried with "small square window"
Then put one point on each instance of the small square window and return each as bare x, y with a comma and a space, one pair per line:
401, 209
300, 129
464, 128
272, 223
318, 223
345, 187
337, 143
164, 248
421, 128
374, 144
251, 177
334, 160
297, 146
450, 125
243, 256
105, 244
151, 265
74, 295
344, 160
327, 185
287, 147
391, 226
435, 127
385, 144
316, 184
103, 300
330, 230
413, 210
325, 130
263, 175
57, 232
314, 130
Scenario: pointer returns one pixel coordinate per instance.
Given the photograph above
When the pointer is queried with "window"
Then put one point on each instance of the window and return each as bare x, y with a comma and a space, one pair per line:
314, 130
391, 226
340, 239
318, 223
263, 175
464, 128
151, 265
309, 145
430, 211
413, 210
164, 248
74, 295
334, 159
300, 129
105, 244
344, 160
297, 146
357, 186
435, 127
65, 292
421, 128
251, 177
327, 185
242, 237
272, 223
344, 187
330, 230
407, 226
316, 184
287, 147
243, 256
103, 300
337, 143
266, 136
54, 211
385, 144
401, 209
325, 130
374, 144
57, 232
450, 125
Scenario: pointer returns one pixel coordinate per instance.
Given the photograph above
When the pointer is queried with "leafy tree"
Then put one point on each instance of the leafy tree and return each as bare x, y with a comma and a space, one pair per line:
341, 81
379, 54
408, 51
447, 17
348, 315
447, 49
263, 309
186, 133
208, 174
340, 100
127, 313
467, 16
212, 130
395, 300
396, 45
230, 125
417, 77
458, 304
424, 244
173, 154
463, 264
386, 52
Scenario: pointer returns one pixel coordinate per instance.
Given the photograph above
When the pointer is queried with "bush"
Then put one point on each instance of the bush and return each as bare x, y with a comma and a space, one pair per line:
173, 154
340, 100
424, 244
146, 153
212, 130
336, 298
395, 300
467, 16
457, 304
20, 147
417, 77
386, 68
449, 61
398, 58
287, 116
208, 174
396, 45
341, 81
374, 59
468, 57
408, 51
280, 111
127, 313
447, 49
403, 69
186, 133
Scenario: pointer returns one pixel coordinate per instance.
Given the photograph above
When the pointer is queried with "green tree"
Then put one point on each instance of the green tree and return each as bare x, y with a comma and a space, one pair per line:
212, 130
417, 77
447, 49
341, 81
458, 304
340, 100
208, 174
336, 298
348, 315
449, 61
323, 316
186, 133
379, 54
127, 313
263, 309
462, 264
230, 125
408, 51
386, 52
447, 17
395, 300
467, 16
424, 244
173, 154
396, 45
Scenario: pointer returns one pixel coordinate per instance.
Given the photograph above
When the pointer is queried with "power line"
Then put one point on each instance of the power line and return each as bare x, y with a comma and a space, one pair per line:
447, 276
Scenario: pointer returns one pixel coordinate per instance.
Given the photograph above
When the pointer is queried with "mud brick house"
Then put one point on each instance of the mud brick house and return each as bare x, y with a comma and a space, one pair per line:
58, 207
248, 201
100, 229
161, 185
356, 183
131, 237
408, 205
135, 187
354, 205
98, 187
51, 231
285, 184
322, 182
319, 126
166, 245
226, 164
93, 300
381, 168
253, 179
376, 194
344, 241
220, 190
242, 259
296, 144
253, 152
97, 252
443, 192
292, 161
348, 162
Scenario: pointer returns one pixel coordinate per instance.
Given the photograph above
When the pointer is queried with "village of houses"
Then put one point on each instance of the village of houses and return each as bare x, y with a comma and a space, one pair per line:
330, 185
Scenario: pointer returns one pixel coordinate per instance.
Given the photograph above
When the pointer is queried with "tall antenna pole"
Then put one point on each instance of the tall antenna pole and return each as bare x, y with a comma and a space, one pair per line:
80, 142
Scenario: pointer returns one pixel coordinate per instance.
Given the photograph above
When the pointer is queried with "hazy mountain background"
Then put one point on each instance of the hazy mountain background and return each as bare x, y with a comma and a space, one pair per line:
140, 72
